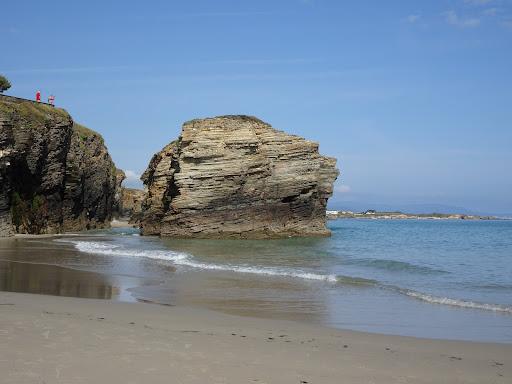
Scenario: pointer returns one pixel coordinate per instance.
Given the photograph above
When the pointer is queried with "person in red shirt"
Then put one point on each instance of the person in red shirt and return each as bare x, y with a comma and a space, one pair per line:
38, 96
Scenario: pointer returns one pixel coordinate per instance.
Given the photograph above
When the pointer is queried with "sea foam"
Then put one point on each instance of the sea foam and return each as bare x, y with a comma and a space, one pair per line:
183, 259
455, 302
186, 260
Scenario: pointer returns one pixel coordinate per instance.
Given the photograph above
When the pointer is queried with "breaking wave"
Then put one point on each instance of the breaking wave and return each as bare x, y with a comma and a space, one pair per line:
183, 259
179, 258
455, 302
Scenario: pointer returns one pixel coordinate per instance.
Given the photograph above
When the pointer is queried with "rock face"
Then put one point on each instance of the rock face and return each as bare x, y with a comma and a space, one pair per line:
55, 175
237, 177
131, 204
117, 207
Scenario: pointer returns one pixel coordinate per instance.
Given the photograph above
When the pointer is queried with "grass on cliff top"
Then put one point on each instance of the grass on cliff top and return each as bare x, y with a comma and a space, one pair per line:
30, 111
85, 132
229, 117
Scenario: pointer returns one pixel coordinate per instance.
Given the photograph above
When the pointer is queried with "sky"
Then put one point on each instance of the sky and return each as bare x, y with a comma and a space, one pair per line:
414, 98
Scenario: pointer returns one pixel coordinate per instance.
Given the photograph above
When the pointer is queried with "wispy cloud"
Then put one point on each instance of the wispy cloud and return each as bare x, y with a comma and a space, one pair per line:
412, 18
452, 18
343, 189
490, 12
507, 23
67, 70
222, 14
255, 61
131, 175
478, 2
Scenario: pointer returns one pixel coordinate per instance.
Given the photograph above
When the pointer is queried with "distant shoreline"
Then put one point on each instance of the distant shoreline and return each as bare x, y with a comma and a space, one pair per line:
376, 215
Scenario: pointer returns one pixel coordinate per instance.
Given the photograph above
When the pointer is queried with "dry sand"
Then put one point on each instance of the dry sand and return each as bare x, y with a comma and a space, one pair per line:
122, 223
47, 339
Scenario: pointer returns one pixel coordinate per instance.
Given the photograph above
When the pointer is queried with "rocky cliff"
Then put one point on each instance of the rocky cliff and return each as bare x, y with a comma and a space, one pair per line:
55, 175
237, 177
131, 204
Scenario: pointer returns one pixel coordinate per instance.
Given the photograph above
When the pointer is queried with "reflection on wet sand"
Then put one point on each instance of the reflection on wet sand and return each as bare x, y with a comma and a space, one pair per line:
54, 280
243, 295
46, 266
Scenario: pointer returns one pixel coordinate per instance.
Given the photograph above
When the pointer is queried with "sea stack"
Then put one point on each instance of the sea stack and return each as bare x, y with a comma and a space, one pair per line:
237, 177
55, 175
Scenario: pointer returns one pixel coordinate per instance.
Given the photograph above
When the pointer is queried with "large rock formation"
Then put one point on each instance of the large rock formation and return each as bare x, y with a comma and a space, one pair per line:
55, 175
237, 177
131, 204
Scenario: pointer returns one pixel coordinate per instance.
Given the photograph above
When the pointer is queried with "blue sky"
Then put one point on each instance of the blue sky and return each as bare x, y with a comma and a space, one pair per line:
414, 98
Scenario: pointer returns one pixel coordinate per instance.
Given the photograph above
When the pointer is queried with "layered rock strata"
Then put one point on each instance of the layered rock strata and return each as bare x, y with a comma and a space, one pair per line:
131, 204
237, 177
55, 175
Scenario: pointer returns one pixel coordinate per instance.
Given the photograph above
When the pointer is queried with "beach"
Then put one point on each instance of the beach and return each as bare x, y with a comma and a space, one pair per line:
113, 306
47, 339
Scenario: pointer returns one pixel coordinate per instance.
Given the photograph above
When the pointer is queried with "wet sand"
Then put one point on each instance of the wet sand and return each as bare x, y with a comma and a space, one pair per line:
18, 276
47, 339
85, 338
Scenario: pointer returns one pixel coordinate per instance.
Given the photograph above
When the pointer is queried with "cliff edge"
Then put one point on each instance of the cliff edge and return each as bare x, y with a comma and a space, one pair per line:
237, 177
55, 175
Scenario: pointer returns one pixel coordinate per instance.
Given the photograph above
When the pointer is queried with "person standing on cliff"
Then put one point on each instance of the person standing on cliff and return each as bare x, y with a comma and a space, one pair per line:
38, 96
51, 100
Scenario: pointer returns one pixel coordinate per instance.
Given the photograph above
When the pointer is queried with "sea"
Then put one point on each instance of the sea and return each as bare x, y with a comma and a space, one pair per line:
448, 279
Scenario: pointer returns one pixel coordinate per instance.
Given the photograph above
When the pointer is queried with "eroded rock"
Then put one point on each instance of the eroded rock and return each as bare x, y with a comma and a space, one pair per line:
237, 177
55, 175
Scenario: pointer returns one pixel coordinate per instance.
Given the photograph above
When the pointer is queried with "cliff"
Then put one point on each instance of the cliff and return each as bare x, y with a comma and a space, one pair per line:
55, 175
131, 203
237, 177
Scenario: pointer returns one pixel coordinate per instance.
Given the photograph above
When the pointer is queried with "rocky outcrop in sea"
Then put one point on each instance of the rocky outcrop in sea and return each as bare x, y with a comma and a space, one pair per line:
55, 175
237, 177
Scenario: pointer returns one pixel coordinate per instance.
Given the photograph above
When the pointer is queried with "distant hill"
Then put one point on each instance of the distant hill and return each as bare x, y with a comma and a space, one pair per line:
356, 206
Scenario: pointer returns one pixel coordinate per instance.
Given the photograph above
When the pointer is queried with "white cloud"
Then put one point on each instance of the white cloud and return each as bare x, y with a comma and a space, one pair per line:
266, 61
343, 189
69, 70
132, 180
412, 18
490, 12
131, 176
453, 19
222, 14
507, 23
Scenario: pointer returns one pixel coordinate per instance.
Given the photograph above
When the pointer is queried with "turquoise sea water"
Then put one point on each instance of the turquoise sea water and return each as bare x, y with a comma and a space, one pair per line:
426, 278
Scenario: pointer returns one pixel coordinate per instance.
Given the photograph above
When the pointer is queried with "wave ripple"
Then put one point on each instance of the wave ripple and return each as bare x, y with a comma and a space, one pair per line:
183, 259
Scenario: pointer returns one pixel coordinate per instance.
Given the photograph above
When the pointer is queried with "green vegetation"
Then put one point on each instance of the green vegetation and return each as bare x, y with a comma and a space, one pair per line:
29, 214
85, 132
31, 114
4, 84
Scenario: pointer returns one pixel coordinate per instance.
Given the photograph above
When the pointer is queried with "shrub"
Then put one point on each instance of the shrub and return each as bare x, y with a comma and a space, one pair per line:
4, 84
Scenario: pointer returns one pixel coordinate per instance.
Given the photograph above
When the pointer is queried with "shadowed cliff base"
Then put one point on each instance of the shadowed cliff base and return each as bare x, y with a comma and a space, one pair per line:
237, 177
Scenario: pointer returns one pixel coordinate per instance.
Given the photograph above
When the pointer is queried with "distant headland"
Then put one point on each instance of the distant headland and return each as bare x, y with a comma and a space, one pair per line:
397, 215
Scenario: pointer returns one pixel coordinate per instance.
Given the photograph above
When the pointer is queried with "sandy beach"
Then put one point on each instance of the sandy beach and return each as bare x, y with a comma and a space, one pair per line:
47, 339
